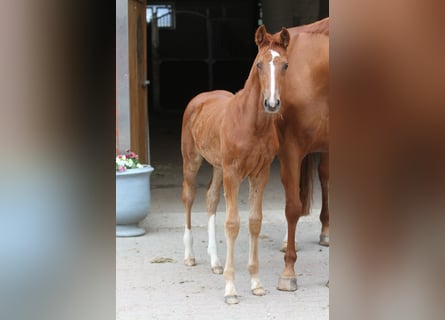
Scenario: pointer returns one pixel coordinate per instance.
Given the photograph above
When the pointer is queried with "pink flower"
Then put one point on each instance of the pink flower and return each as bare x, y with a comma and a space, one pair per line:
128, 160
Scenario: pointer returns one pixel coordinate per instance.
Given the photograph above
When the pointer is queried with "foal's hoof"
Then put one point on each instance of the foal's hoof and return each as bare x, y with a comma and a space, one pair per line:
287, 284
259, 291
324, 240
190, 262
217, 270
231, 299
327, 284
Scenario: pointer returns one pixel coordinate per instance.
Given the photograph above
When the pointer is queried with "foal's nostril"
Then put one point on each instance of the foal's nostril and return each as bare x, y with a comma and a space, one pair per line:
272, 105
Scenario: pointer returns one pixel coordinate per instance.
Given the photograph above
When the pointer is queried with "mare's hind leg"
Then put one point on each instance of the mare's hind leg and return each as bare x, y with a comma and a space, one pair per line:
323, 173
212, 200
257, 185
191, 163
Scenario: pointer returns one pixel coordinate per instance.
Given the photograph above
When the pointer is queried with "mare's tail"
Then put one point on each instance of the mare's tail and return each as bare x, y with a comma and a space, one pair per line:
308, 166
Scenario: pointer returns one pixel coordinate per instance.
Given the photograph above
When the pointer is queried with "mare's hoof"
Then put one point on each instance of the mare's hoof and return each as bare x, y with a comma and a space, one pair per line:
324, 240
217, 270
190, 262
231, 299
284, 247
287, 284
259, 291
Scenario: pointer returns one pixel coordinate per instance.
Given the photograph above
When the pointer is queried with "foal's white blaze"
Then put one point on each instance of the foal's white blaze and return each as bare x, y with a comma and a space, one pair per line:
188, 244
274, 54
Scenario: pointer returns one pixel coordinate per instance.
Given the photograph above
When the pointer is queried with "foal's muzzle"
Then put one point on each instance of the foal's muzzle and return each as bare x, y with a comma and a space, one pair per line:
272, 106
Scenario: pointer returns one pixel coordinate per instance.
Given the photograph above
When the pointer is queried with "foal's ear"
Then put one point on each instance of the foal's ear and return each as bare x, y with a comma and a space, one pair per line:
284, 38
260, 35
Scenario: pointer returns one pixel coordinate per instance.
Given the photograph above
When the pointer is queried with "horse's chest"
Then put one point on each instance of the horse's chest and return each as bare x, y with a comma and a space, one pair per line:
250, 155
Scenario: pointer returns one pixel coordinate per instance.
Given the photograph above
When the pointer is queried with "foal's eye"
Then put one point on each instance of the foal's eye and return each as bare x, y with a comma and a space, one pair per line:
285, 66
259, 65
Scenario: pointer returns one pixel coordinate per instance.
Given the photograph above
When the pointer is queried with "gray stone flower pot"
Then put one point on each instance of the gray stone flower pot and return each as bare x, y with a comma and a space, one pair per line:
132, 200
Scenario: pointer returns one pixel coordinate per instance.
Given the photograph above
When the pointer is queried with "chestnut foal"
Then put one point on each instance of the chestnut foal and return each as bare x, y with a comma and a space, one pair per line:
237, 135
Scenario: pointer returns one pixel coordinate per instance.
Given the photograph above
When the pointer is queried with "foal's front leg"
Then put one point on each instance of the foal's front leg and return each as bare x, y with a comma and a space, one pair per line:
256, 189
232, 224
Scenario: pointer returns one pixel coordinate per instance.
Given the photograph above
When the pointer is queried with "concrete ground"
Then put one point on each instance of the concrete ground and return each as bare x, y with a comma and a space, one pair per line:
153, 283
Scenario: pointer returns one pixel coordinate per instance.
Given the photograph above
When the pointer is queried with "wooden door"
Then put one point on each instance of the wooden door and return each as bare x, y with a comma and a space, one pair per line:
137, 56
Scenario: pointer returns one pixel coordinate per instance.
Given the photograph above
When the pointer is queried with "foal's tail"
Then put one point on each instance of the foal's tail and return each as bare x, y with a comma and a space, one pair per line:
308, 166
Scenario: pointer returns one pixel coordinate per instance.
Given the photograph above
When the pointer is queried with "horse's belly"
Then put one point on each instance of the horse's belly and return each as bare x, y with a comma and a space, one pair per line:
206, 134
210, 154
208, 144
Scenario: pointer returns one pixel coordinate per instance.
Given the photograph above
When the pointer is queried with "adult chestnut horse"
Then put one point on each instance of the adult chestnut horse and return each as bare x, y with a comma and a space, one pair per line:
237, 134
303, 132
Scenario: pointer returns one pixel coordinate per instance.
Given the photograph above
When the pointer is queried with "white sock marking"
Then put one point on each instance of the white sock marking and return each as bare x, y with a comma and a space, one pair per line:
188, 244
285, 236
211, 249
230, 289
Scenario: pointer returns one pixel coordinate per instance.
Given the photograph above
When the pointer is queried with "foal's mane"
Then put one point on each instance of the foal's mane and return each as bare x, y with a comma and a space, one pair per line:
321, 26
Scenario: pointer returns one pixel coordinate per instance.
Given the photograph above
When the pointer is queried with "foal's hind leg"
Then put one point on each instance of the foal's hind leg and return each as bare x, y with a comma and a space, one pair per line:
323, 173
212, 200
257, 185
191, 163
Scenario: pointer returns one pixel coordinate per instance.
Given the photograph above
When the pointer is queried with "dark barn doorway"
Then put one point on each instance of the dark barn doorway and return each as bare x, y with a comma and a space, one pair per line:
208, 45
